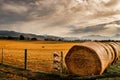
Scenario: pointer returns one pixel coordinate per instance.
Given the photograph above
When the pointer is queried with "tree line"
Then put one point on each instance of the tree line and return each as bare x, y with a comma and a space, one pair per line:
21, 37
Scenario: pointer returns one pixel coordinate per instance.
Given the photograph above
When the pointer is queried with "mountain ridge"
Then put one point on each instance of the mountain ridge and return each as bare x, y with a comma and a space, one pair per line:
6, 33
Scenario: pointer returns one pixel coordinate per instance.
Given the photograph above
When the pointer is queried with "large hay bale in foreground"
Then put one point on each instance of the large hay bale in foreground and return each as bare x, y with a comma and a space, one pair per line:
90, 58
116, 48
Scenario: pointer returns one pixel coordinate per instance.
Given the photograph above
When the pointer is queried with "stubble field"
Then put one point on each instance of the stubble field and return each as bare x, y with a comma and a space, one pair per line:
40, 53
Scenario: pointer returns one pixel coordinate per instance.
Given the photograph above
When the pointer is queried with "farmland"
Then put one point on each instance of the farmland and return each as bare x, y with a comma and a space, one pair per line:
40, 53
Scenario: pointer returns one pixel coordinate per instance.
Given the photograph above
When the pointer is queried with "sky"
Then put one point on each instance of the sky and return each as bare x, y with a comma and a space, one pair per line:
65, 18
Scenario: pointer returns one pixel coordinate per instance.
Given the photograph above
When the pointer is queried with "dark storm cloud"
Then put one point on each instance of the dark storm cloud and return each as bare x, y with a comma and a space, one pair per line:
88, 29
110, 28
19, 1
12, 11
10, 17
9, 14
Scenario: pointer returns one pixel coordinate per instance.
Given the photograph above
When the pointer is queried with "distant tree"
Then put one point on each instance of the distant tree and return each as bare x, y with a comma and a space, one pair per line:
12, 38
33, 38
27, 38
49, 39
9, 37
22, 37
3, 37
61, 39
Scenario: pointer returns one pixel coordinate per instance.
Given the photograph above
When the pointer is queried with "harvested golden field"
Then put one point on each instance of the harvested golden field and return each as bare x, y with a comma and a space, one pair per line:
40, 53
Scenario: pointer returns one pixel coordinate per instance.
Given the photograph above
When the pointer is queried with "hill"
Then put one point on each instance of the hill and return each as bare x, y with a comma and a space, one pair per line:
6, 33
29, 36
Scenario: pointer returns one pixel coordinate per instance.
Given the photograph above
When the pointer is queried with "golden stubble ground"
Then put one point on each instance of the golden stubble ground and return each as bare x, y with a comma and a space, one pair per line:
40, 53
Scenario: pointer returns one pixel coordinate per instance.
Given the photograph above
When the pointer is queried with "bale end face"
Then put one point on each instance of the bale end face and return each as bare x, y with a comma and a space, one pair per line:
83, 61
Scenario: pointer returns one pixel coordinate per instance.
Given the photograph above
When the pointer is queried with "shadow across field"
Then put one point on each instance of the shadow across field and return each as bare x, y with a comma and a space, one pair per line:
7, 69
30, 75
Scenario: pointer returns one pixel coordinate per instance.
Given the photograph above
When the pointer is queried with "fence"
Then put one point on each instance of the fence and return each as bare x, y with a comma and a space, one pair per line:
40, 60
33, 59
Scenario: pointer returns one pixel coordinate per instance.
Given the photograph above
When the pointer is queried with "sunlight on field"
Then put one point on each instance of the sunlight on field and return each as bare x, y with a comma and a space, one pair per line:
40, 53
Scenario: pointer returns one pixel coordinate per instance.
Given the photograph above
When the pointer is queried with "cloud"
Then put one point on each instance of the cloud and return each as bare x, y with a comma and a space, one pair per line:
106, 29
11, 18
60, 17
112, 3
15, 8
111, 30
89, 29
12, 12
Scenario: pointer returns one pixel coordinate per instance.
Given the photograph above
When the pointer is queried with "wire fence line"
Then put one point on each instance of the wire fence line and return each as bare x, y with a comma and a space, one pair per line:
37, 59
32, 59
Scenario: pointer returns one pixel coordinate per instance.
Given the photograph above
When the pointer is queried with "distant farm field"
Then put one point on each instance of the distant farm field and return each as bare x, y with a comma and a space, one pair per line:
40, 53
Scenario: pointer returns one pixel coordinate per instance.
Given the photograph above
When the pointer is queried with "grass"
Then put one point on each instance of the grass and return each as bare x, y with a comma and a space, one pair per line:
2, 75
113, 69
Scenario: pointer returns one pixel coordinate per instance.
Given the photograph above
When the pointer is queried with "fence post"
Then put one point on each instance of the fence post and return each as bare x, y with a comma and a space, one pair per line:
25, 59
61, 63
2, 56
58, 62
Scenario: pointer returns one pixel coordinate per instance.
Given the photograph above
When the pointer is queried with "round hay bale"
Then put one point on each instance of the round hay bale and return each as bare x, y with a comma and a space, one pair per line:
89, 58
118, 43
116, 48
110, 51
